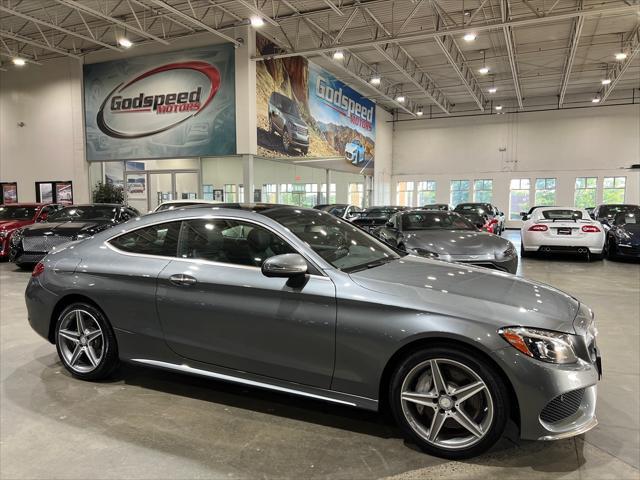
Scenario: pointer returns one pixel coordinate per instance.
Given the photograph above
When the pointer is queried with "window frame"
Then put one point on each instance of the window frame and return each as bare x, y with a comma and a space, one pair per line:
315, 270
615, 178
545, 189
451, 190
482, 190
519, 189
576, 189
418, 191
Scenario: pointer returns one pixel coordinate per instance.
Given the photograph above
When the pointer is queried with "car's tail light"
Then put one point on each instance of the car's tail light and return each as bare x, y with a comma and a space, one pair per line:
538, 228
590, 229
38, 269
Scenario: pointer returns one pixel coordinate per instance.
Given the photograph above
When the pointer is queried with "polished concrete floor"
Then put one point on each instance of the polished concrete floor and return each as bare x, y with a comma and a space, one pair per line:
149, 424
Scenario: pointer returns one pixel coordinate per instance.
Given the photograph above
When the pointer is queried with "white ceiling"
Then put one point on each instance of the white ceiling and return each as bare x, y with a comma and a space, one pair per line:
415, 45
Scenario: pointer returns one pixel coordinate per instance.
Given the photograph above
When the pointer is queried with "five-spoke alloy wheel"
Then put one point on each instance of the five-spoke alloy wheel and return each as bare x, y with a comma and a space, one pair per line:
451, 403
85, 342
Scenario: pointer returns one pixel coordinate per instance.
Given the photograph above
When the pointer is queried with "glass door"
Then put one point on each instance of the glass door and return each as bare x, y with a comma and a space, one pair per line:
137, 191
160, 188
186, 185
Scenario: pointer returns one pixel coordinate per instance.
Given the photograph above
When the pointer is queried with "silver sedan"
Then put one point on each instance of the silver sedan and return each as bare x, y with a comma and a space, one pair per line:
301, 302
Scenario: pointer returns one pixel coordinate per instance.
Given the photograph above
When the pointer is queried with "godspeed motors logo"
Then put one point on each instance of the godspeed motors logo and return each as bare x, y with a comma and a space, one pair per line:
158, 99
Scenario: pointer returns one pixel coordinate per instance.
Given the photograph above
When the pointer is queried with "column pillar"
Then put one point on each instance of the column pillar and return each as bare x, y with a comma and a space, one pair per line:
247, 178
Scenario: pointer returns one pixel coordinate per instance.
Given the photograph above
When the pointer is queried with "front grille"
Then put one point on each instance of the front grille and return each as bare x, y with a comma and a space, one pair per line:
43, 243
563, 406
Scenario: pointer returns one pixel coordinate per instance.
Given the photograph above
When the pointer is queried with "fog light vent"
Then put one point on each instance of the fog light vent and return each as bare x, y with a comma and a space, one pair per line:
562, 406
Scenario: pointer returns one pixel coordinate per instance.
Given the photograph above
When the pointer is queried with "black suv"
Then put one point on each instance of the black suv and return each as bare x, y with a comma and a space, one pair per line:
286, 121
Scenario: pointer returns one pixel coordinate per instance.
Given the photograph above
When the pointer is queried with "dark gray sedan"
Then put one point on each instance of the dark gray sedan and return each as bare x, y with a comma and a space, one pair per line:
301, 302
448, 236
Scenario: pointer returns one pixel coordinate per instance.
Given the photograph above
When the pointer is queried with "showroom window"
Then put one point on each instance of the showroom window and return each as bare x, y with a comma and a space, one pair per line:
300, 194
545, 192
613, 189
159, 239
585, 194
332, 194
270, 193
519, 197
310, 199
483, 190
459, 191
356, 194
230, 193
426, 192
249, 244
404, 193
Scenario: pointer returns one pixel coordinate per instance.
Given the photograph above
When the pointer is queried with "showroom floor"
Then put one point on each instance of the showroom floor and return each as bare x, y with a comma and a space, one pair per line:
152, 424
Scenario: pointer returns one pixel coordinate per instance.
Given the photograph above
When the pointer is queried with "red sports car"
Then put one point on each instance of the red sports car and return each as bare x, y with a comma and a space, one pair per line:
15, 216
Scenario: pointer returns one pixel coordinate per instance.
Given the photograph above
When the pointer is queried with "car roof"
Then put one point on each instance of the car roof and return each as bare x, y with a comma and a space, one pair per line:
25, 204
95, 205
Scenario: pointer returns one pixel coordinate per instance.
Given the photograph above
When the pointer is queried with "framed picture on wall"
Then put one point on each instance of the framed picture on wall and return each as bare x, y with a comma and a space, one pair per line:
44, 192
9, 193
218, 195
55, 192
64, 193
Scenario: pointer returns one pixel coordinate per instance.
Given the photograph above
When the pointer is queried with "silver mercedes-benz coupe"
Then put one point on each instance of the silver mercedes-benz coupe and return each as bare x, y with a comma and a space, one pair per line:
299, 301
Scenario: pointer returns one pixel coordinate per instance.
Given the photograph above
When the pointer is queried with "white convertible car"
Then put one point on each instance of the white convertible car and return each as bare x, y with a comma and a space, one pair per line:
562, 230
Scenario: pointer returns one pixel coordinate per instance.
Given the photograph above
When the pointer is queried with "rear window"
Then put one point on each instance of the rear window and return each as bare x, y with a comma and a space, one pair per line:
562, 214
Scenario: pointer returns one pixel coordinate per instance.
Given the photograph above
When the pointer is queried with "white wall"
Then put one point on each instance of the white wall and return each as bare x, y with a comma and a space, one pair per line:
562, 144
382, 167
50, 146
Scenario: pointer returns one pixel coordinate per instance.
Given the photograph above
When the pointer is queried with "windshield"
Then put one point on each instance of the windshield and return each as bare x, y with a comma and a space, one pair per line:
340, 243
378, 213
337, 210
435, 221
17, 213
562, 214
83, 214
630, 216
610, 211
471, 208
290, 107
436, 206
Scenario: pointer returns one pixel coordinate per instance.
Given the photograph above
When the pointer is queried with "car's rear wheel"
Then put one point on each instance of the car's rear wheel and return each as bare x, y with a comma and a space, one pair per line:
449, 402
85, 342
523, 252
611, 249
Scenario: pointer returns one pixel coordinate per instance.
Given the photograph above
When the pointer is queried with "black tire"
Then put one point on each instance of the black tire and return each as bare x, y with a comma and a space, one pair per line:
523, 252
304, 150
487, 373
109, 358
611, 249
595, 257
286, 140
271, 129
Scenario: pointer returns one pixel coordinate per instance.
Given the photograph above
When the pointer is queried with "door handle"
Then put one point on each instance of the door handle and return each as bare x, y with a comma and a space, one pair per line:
181, 279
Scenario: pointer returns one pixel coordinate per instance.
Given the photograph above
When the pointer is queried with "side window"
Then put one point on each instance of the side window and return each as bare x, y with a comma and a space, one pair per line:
159, 239
229, 241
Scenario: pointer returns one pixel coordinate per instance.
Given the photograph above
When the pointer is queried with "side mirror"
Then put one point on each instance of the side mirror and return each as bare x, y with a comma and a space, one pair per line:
285, 266
523, 214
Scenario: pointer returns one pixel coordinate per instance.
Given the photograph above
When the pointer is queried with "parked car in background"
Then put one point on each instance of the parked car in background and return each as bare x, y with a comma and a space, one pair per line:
354, 152
18, 215
448, 236
527, 214
487, 216
562, 230
172, 204
299, 301
286, 121
623, 233
30, 244
607, 212
373, 217
445, 207
341, 210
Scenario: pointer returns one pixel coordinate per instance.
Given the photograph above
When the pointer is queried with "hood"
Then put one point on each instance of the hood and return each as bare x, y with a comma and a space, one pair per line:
629, 232
66, 228
474, 293
13, 224
456, 242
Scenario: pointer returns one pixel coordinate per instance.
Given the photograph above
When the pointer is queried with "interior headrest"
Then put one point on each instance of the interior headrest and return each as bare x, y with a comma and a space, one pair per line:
259, 239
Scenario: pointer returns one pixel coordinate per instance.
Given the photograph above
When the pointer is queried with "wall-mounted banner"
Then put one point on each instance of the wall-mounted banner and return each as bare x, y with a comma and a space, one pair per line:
304, 111
177, 104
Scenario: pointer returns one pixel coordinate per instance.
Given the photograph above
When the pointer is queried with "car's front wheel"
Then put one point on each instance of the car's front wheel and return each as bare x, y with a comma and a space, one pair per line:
449, 402
286, 141
85, 342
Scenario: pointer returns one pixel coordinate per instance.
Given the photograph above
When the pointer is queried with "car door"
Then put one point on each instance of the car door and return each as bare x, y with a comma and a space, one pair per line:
216, 306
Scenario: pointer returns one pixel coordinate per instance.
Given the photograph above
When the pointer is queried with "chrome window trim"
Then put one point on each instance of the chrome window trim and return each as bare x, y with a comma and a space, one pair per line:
230, 378
112, 247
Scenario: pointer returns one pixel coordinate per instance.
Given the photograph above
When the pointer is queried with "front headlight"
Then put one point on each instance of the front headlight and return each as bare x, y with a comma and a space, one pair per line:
544, 345
508, 253
623, 236
16, 238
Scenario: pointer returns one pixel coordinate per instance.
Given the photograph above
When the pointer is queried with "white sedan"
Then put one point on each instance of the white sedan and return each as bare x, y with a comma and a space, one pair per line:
562, 230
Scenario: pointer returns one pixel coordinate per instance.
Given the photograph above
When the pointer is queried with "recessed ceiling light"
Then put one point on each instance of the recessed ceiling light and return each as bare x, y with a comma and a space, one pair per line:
470, 37
125, 42
595, 100
493, 90
375, 80
257, 21
484, 70
498, 107
621, 56
606, 81
400, 98
338, 55
20, 62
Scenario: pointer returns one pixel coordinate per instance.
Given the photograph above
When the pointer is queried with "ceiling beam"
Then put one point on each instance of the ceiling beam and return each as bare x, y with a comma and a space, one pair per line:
631, 47
53, 26
333, 7
455, 31
511, 51
43, 46
194, 21
576, 30
83, 8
